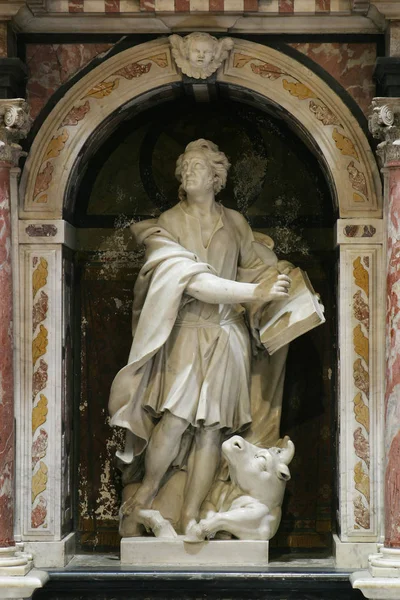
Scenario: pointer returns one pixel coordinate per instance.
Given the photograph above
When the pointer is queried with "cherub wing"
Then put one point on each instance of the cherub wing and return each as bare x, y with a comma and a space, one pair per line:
177, 45
224, 47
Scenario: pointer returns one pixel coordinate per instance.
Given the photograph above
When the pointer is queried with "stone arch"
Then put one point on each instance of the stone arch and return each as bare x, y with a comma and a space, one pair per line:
102, 98
141, 72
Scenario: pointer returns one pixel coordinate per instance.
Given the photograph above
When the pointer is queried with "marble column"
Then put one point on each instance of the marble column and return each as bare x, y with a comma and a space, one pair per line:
383, 578
17, 577
14, 125
6, 365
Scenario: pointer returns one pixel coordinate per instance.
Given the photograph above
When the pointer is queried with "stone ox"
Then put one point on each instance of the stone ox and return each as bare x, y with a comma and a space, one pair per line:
259, 476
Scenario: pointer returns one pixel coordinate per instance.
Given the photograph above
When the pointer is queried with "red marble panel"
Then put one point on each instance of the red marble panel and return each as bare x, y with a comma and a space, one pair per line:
286, 6
393, 300
6, 368
216, 5
147, 5
112, 6
352, 65
75, 6
51, 65
392, 396
392, 495
322, 5
250, 5
182, 5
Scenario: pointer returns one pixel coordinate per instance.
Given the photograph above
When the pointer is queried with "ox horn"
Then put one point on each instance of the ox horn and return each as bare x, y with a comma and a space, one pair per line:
287, 453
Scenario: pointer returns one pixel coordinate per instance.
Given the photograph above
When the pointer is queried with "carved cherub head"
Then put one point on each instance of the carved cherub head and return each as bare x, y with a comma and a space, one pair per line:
199, 55
214, 160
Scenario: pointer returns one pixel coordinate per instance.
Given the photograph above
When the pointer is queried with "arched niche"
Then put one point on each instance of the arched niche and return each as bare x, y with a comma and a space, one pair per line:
90, 110
147, 71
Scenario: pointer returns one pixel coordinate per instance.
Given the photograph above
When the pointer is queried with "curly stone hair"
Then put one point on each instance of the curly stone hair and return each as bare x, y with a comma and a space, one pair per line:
216, 159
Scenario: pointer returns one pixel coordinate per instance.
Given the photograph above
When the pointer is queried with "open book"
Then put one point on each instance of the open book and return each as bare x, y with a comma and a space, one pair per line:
285, 320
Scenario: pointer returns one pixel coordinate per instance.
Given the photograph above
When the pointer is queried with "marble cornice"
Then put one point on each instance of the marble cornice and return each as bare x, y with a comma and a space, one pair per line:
31, 20
390, 9
9, 8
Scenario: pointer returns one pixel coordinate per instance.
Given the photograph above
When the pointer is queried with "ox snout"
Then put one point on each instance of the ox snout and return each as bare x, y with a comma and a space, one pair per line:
234, 446
237, 443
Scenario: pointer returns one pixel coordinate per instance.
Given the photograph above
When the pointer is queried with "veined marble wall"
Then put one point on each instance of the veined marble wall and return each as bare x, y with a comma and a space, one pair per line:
51, 65
352, 65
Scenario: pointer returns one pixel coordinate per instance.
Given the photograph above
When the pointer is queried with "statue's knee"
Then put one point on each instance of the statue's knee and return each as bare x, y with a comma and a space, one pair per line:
208, 437
173, 425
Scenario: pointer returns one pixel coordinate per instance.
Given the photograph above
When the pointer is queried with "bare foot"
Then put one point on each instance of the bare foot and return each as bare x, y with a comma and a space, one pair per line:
143, 498
187, 520
154, 521
194, 533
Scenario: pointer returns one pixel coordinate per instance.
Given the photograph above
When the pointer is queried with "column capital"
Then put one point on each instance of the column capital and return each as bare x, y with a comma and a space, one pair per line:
384, 124
15, 123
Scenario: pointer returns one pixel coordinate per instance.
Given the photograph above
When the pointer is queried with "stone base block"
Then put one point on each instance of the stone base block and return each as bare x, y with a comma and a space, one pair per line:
22, 587
14, 562
52, 554
352, 555
157, 552
376, 588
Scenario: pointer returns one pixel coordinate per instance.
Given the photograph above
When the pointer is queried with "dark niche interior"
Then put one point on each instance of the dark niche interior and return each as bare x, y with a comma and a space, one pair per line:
279, 186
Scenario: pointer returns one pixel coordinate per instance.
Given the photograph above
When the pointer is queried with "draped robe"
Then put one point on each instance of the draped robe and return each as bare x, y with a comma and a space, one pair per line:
190, 357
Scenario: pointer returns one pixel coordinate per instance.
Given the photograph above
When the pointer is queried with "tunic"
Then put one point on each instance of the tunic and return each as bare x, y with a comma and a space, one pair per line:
188, 357
202, 372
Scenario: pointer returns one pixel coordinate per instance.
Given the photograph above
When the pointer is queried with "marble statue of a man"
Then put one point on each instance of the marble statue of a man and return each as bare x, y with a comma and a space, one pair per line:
187, 384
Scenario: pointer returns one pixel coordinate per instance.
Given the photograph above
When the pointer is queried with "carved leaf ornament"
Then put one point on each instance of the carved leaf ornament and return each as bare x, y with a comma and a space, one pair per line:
361, 513
361, 481
361, 276
56, 145
267, 70
39, 481
344, 144
39, 276
317, 107
361, 313
361, 411
78, 113
39, 344
361, 344
102, 89
39, 413
39, 513
40, 308
299, 90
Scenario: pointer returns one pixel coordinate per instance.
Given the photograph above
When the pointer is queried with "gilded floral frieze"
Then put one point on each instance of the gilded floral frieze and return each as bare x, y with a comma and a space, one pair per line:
361, 377
40, 311
75, 115
304, 92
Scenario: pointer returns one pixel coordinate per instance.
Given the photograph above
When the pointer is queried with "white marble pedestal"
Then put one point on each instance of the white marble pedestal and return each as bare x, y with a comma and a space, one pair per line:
157, 552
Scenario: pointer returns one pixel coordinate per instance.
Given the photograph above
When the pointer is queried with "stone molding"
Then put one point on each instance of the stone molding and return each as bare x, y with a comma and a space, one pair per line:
17, 578
384, 124
9, 8
164, 23
38, 7
47, 232
390, 9
15, 123
382, 580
